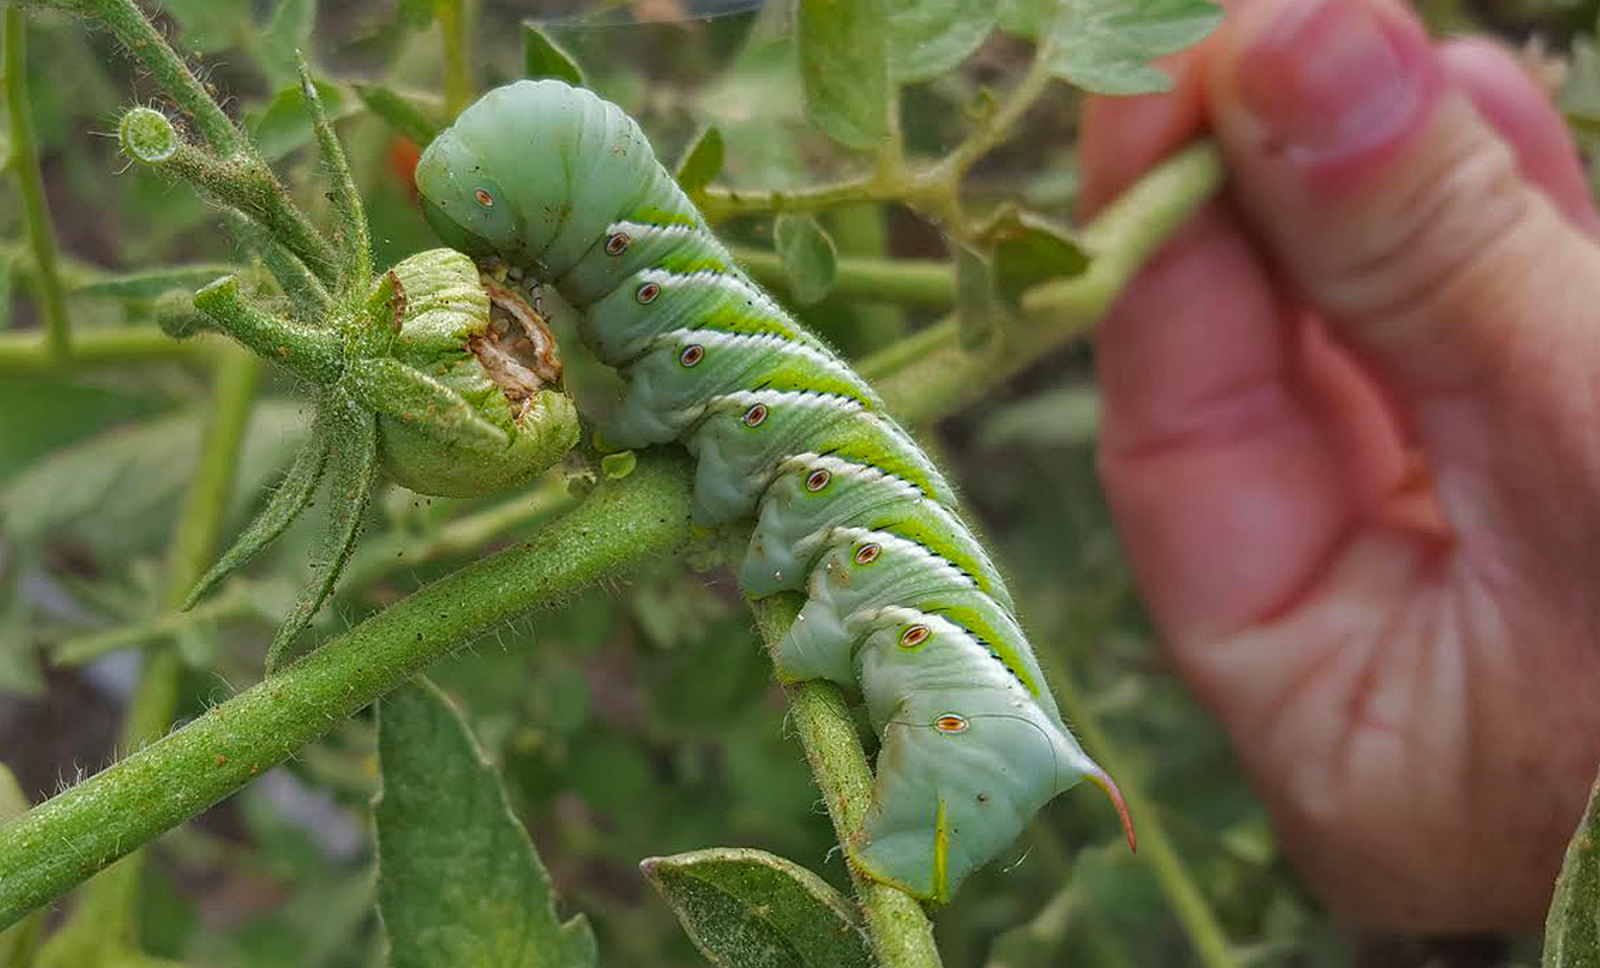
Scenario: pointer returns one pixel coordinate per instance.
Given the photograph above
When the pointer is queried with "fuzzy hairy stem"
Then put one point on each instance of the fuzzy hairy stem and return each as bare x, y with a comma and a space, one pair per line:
620, 527
106, 918
901, 934
315, 354
128, 24
244, 183
30, 182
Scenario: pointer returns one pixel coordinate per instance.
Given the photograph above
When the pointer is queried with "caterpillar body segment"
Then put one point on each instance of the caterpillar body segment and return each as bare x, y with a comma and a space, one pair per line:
903, 602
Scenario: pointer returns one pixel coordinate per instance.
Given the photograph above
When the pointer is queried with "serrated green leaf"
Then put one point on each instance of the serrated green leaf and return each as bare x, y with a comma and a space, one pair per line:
352, 441
1106, 46
543, 57
977, 301
18, 942
1572, 928
844, 69
291, 497
808, 256
459, 882
407, 114
1029, 250
747, 908
929, 37
702, 161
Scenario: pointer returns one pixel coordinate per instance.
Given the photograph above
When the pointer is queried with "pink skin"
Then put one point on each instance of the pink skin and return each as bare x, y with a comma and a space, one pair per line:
1352, 441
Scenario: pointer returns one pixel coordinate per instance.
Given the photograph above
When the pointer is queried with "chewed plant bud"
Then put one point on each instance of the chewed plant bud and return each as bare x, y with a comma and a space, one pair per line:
482, 409
148, 136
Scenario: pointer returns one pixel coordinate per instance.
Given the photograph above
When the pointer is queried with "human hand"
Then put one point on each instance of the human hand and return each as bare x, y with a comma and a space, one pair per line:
1352, 442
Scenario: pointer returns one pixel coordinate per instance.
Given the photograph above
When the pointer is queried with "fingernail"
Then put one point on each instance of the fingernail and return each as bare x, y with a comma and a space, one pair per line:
1329, 79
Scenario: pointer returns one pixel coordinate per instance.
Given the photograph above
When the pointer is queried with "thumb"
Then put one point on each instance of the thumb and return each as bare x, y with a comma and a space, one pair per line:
1392, 207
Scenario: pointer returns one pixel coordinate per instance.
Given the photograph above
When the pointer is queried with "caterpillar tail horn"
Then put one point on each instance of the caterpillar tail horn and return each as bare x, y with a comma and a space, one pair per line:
1102, 779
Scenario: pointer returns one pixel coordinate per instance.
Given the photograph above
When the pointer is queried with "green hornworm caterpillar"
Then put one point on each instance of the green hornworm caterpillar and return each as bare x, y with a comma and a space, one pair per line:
903, 600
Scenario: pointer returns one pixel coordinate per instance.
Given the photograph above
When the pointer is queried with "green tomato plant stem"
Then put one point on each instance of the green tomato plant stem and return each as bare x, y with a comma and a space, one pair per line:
620, 527
904, 282
30, 182
23, 354
105, 923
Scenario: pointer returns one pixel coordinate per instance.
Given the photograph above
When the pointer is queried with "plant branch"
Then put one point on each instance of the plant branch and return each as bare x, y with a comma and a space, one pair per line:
930, 373
908, 282
30, 182
902, 935
245, 183
26, 353
617, 529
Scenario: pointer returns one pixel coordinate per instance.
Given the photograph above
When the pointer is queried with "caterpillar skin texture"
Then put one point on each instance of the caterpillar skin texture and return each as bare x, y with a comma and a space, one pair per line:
902, 599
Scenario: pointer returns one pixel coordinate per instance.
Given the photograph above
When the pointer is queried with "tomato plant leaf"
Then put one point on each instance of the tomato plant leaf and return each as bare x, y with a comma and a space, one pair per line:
747, 908
702, 161
808, 256
459, 882
407, 114
543, 57
929, 37
1106, 46
844, 68
1572, 929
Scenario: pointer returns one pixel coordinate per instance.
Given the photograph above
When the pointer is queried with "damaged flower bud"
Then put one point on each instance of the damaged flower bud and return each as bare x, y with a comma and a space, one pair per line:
474, 405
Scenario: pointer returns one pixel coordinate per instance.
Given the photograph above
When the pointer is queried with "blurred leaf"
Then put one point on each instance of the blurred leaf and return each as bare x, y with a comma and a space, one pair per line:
118, 490
844, 67
288, 30
209, 25
285, 124
1063, 417
747, 908
1580, 92
19, 663
150, 283
702, 161
1029, 250
459, 883
977, 302
808, 256
1572, 929
407, 114
1106, 46
929, 37
416, 14
18, 942
543, 57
